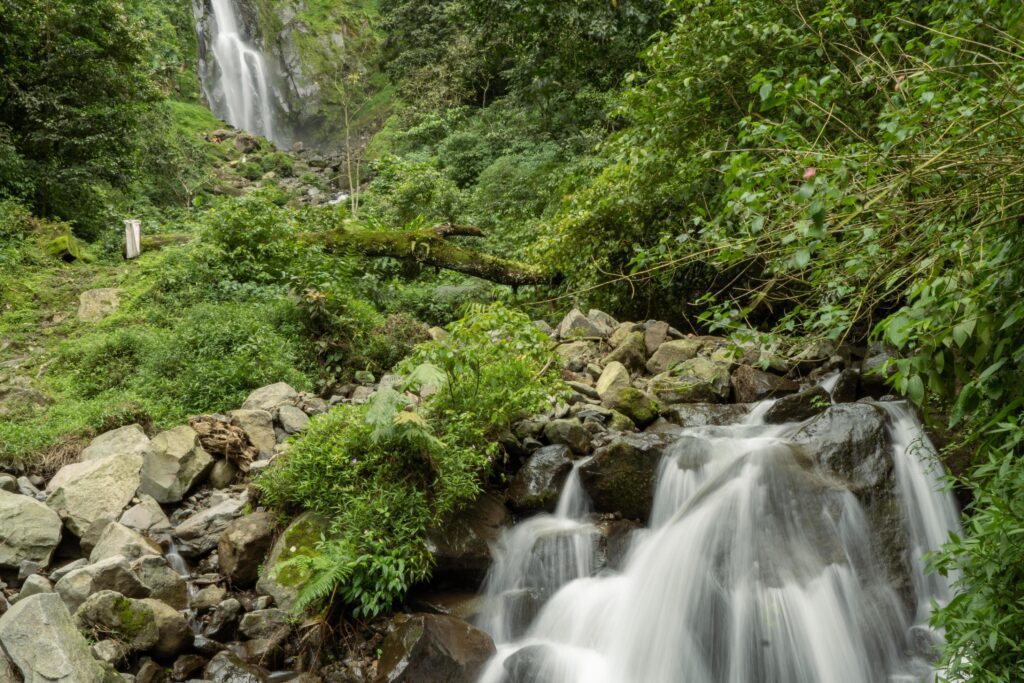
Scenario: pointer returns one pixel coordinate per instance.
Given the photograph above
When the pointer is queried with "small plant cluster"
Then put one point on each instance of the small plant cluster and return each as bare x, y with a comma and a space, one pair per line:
385, 472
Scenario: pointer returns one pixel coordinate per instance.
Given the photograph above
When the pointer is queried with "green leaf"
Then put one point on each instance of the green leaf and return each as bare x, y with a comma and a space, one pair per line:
802, 257
915, 389
765, 91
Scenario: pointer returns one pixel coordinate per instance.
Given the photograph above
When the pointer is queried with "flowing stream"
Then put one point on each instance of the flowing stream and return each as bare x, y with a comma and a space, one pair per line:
754, 568
242, 93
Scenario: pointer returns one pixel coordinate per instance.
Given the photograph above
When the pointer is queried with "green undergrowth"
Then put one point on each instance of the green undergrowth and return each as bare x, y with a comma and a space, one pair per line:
385, 472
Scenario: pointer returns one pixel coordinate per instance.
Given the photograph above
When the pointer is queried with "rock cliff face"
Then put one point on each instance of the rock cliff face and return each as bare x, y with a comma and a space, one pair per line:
304, 43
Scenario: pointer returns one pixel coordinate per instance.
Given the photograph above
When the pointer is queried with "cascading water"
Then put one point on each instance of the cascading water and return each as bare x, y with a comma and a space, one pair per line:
756, 567
241, 93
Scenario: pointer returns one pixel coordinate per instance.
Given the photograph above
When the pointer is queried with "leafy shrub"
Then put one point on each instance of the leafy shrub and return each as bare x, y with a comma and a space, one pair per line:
404, 190
385, 472
15, 220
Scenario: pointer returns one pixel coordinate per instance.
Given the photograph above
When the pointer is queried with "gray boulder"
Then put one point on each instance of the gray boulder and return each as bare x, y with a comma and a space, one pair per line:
41, 640
614, 378
292, 419
706, 414
175, 463
199, 534
575, 325
146, 517
672, 353
298, 539
161, 581
430, 648
697, 380
538, 482
85, 492
265, 623
461, 546
620, 477
124, 441
271, 397
750, 385
631, 353
113, 573
173, 632
226, 667
34, 585
29, 530
258, 425
118, 539
110, 614
243, 547
568, 432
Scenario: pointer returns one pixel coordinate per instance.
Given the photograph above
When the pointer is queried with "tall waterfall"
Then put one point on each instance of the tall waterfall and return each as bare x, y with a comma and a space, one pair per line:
757, 567
242, 91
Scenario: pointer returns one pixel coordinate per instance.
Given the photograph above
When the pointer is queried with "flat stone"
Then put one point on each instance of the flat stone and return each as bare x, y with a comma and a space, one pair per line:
613, 380
271, 397
84, 492
146, 517
117, 539
124, 441
113, 573
96, 304
34, 585
29, 530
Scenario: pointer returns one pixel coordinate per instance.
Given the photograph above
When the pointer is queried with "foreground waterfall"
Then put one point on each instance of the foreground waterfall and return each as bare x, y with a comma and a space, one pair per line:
242, 92
760, 565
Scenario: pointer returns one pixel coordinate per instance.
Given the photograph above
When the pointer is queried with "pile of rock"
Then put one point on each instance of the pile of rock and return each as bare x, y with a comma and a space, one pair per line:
93, 562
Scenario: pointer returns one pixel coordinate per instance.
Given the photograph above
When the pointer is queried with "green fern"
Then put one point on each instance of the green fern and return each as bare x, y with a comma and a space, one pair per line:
328, 568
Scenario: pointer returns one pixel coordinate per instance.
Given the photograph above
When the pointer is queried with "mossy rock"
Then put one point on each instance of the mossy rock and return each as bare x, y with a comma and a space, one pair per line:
300, 539
640, 408
66, 248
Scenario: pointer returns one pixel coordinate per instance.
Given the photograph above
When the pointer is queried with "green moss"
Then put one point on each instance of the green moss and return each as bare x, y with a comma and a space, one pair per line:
637, 406
300, 539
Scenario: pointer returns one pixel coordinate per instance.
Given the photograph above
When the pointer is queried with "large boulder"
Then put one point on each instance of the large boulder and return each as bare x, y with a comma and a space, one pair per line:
258, 425
750, 385
576, 355
271, 397
174, 464
300, 538
672, 353
292, 419
655, 334
243, 547
620, 477
161, 580
109, 614
172, 629
798, 407
226, 667
640, 408
631, 352
568, 432
86, 492
697, 380
113, 573
124, 441
200, 533
575, 325
614, 378
430, 648
146, 517
706, 414
538, 482
461, 546
118, 539
29, 531
41, 640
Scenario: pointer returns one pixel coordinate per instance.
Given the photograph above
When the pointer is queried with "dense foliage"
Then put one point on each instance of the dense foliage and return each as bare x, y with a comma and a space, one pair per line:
386, 472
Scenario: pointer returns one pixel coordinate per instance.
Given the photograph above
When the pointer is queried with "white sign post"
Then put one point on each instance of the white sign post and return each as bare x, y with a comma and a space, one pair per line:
132, 238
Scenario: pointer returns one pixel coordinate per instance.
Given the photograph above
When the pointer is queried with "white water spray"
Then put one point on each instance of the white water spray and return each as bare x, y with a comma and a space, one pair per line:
242, 94
756, 568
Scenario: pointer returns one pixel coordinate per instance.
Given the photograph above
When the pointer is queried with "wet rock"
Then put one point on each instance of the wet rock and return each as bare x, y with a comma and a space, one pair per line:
34, 585
877, 369
705, 414
461, 547
110, 614
118, 539
575, 325
175, 463
750, 385
265, 623
124, 441
631, 352
428, 648
96, 304
299, 538
640, 409
224, 620
146, 517
151, 672
243, 547
84, 492
292, 419
200, 533
847, 386
537, 484
208, 598
226, 667
697, 380
568, 432
798, 407
616, 537
44, 619
162, 582
113, 573
271, 397
528, 664
620, 477
187, 665
29, 530
258, 425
